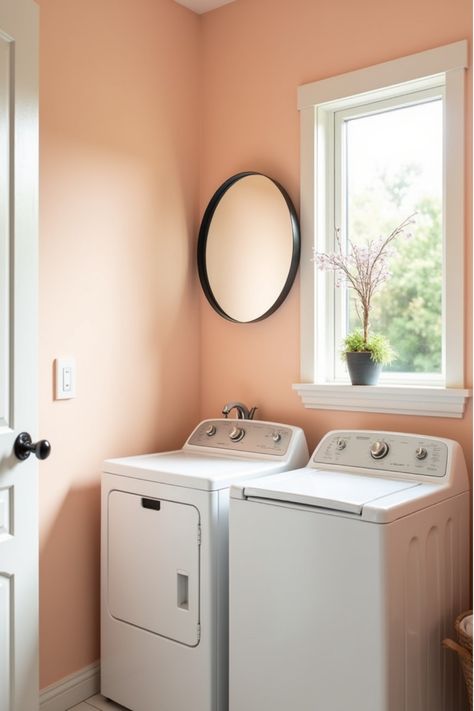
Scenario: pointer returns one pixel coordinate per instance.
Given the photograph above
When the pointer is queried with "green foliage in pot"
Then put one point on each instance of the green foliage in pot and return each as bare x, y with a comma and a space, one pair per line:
377, 345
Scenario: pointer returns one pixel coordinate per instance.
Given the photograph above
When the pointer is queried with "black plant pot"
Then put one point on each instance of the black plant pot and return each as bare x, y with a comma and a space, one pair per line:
362, 369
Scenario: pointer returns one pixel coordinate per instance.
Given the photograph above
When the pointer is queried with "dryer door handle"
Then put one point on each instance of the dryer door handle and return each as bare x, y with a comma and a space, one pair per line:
183, 590
154, 504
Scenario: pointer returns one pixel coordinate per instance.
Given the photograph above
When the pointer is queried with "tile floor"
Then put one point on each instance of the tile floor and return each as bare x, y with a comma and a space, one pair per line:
97, 703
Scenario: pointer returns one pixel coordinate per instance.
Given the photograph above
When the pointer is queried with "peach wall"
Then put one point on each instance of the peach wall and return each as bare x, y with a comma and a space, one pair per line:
118, 144
122, 95
255, 55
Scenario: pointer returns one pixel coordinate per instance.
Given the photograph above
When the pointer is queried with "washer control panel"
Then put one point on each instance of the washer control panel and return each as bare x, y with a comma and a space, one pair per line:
387, 451
242, 436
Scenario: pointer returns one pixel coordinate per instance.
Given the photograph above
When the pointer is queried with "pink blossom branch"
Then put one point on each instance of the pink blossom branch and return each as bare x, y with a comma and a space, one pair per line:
364, 269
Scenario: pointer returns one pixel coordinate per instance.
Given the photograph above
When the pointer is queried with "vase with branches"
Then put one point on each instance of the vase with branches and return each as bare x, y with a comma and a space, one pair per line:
364, 270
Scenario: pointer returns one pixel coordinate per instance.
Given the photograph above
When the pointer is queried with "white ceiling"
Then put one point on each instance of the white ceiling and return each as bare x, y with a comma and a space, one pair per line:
201, 6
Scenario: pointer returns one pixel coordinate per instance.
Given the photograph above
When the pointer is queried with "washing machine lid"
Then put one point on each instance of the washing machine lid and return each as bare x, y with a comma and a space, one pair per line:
326, 489
208, 472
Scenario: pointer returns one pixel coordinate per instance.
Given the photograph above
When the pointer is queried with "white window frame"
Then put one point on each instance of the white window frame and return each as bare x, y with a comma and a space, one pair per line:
317, 101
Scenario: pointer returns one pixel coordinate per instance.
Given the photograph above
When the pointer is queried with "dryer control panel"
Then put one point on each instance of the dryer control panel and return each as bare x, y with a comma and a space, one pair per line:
242, 436
384, 451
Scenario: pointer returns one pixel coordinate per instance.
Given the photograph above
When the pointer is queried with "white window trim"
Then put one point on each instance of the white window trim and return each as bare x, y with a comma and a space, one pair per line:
447, 63
392, 399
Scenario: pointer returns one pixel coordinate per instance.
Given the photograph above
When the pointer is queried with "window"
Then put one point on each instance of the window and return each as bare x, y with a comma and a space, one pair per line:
388, 165
378, 145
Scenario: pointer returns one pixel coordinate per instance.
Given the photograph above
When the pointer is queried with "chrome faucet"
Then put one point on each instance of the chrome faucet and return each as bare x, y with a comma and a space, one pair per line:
243, 413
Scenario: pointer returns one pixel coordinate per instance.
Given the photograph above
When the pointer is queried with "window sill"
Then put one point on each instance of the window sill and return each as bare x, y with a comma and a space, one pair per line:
390, 399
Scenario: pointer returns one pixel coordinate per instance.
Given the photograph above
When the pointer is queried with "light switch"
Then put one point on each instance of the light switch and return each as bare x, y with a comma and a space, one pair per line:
65, 377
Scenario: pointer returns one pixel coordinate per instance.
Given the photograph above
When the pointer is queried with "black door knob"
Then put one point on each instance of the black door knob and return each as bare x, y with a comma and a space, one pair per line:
23, 447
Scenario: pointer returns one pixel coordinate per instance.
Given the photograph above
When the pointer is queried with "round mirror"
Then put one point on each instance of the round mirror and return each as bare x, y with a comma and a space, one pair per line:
248, 248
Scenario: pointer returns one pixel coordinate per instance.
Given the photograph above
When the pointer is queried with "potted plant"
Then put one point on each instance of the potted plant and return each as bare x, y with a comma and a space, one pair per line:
363, 269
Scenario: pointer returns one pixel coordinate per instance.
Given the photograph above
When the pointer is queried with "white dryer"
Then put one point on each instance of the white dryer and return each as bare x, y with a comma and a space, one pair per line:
346, 575
164, 562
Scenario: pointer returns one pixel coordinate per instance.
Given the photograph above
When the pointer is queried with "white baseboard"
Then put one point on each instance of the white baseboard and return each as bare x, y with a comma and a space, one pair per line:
71, 690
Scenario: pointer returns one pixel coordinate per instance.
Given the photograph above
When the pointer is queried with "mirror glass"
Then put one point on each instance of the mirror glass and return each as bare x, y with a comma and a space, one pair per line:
248, 250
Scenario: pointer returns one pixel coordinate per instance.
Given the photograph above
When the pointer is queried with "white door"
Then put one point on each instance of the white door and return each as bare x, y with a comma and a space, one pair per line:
18, 354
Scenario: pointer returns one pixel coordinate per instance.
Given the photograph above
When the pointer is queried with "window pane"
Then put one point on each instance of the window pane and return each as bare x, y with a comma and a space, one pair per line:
393, 169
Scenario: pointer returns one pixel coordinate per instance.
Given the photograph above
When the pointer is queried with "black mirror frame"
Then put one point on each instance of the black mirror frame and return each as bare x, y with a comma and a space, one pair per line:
202, 242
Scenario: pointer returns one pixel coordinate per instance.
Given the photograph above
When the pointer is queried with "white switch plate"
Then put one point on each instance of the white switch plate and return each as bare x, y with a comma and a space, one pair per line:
65, 378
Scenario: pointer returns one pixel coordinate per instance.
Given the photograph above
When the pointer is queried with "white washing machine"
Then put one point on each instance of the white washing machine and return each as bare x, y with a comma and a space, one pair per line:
164, 563
346, 575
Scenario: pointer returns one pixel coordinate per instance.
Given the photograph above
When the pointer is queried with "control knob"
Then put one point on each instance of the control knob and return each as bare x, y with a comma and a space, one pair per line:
421, 453
276, 437
236, 434
379, 449
211, 430
341, 444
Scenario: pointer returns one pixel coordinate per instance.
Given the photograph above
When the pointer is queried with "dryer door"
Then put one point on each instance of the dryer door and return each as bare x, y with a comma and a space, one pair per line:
153, 565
